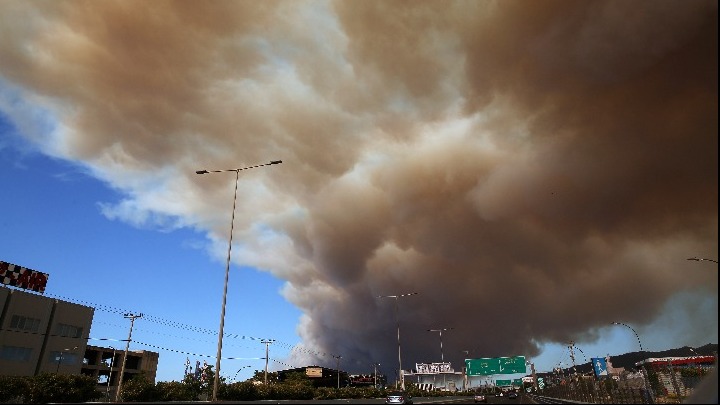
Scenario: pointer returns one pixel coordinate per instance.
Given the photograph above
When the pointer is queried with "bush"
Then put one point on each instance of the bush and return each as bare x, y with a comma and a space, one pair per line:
176, 391
46, 388
241, 391
139, 389
298, 390
13, 389
326, 393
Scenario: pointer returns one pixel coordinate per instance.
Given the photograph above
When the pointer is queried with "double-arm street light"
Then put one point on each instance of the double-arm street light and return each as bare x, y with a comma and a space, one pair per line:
216, 383
442, 358
698, 259
397, 320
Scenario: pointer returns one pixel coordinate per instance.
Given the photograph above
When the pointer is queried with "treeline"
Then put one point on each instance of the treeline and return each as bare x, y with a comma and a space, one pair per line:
47, 388
55, 388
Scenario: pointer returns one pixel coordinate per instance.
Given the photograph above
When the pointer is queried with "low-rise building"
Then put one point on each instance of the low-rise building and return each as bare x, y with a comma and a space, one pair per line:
104, 364
40, 334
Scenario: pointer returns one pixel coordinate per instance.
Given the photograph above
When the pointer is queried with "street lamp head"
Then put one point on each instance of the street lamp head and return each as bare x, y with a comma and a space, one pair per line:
276, 162
201, 172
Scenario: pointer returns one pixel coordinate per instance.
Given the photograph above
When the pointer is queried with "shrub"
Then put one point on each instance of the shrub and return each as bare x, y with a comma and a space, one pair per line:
46, 388
139, 389
176, 391
240, 391
326, 393
13, 389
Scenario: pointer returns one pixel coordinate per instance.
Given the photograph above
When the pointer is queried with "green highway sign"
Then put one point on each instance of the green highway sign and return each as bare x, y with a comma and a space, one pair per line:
512, 365
502, 383
495, 365
517, 382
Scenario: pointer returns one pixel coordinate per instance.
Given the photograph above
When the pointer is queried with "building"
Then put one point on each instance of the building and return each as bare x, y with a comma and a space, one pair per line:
104, 364
669, 371
40, 334
436, 377
319, 376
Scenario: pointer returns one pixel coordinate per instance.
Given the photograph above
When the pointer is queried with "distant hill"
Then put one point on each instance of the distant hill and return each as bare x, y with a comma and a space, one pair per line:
628, 360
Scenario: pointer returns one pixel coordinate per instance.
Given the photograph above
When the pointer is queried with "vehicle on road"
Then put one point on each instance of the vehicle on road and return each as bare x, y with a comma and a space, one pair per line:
480, 398
398, 397
511, 395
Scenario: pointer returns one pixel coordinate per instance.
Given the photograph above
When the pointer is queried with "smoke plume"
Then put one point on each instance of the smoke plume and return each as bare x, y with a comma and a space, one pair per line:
533, 170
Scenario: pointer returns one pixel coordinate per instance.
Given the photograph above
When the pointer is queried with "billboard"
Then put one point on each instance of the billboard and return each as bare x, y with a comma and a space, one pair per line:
433, 368
313, 372
496, 365
22, 277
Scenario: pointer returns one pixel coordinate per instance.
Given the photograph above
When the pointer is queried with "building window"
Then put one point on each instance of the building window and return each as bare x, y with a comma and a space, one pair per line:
63, 357
14, 353
68, 330
23, 323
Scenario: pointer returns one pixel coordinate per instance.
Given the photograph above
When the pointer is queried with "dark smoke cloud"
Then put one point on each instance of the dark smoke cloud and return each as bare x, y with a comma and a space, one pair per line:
505, 160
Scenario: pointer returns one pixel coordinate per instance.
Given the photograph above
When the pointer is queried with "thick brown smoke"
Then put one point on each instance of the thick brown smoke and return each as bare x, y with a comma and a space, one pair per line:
533, 170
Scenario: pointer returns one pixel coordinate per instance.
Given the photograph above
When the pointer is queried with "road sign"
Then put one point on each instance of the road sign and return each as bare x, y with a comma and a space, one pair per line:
541, 383
502, 383
496, 365
600, 366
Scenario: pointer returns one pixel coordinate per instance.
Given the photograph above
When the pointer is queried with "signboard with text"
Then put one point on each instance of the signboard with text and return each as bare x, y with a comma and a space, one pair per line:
433, 368
496, 365
22, 277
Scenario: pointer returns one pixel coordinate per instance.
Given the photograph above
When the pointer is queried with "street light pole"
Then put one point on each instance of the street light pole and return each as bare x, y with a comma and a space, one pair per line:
216, 383
636, 334
112, 364
237, 372
397, 320
60, 359
442, 358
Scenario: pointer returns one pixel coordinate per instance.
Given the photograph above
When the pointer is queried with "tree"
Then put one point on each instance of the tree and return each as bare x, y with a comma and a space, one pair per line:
46, 388
139, 389
13, 388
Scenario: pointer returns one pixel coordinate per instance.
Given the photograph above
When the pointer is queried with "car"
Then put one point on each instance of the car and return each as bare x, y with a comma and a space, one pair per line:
398, 397
512, 395
480, 398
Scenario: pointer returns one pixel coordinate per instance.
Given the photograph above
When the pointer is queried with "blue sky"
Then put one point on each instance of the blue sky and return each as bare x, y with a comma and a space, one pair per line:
53, 223
433, 149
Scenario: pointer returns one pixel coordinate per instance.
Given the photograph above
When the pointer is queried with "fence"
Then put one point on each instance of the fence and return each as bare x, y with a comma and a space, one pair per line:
656, 384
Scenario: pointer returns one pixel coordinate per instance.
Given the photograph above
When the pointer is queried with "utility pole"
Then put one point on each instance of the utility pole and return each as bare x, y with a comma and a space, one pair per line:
375, 365
572, 357
132, 318
267, 343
